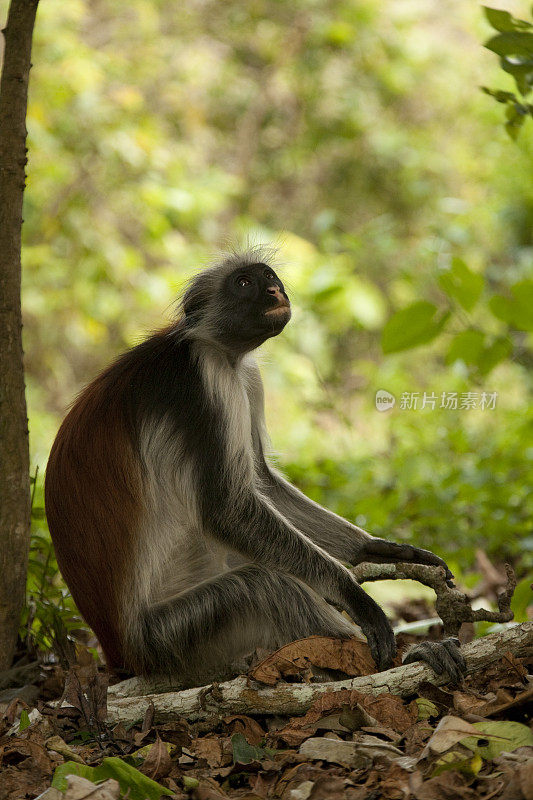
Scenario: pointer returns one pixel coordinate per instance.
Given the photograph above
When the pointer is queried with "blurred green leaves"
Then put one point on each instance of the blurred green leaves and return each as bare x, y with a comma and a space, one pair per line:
516, 310
417, 324
514, 45
461, 284
480, 349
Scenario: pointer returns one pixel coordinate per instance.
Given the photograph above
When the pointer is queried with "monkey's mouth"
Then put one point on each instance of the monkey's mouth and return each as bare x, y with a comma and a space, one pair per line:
279, 310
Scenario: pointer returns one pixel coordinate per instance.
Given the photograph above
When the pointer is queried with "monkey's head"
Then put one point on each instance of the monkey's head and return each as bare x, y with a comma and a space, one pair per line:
237, 304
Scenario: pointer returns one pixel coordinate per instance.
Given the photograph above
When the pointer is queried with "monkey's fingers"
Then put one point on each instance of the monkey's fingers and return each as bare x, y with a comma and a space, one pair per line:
382, 644
442, 657
380, 551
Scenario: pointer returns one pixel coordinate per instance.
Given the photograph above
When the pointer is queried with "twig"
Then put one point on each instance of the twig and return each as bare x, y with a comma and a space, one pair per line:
452, 605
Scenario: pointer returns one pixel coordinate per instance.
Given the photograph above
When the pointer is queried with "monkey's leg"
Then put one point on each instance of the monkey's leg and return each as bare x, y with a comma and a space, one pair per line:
219, 620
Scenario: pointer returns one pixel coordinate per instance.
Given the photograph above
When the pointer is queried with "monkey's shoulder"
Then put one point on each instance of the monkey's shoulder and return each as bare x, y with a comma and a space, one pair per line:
159, 373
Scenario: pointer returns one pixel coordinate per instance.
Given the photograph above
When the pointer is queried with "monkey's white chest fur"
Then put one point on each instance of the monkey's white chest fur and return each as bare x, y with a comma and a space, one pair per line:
174, 544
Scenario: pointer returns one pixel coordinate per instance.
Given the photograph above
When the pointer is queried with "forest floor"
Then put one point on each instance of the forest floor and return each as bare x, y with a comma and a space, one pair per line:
473, 740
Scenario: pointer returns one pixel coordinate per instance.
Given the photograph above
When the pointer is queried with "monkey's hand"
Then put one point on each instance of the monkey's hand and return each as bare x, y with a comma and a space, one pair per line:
376, 627
380, 551
442, 657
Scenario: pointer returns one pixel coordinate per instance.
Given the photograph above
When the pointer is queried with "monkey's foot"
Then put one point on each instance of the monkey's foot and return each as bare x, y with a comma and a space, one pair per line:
444, 656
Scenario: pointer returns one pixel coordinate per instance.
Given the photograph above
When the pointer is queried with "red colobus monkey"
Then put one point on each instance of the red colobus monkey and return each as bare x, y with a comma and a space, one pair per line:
182, 547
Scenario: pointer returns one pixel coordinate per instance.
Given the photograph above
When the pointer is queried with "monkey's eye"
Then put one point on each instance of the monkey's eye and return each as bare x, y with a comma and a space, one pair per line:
242, 280
269, 275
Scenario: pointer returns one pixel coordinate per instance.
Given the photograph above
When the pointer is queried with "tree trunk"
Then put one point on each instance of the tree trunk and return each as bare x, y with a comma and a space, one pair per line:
14, 448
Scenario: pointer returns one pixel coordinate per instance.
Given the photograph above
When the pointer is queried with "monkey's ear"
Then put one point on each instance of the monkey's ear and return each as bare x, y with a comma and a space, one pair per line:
195, 297
191, 306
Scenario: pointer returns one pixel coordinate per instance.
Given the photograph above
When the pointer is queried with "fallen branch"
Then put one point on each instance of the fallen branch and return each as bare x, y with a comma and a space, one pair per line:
243, 696
452, 605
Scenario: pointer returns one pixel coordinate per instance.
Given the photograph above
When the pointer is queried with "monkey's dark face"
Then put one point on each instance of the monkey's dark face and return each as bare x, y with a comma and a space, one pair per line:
255, 306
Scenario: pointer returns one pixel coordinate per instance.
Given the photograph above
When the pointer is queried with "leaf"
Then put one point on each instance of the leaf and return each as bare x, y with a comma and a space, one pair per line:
454, 760
336, 752
503, 20
499, 95
386, 711
466, 346
412, 326
132, 782
511, 44
426, 708
505, 736
448, 732
521, 600
24, 720
497, 351
517, 310
210, 748
59, 781
245, 753
157, 763
461, 284
469, 346
514, 123
351, 656
518, 67
250, 728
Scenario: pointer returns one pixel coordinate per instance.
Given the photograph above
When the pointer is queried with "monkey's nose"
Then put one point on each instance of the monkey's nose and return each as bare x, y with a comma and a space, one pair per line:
275, 291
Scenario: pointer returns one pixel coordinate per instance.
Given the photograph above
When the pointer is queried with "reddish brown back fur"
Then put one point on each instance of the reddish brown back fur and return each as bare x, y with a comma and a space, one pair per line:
93, 505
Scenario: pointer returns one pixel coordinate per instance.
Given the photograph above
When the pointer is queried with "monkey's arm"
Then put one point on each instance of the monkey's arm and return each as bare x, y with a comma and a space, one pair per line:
248, 524
350, 543
336, 535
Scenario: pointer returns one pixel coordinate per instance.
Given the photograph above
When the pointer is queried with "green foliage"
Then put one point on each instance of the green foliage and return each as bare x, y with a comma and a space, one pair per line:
461, 284
417, 324
245, 753
517, 310
24, 720
479, 348
50, 618
133, 784
514, 45
440, 480
502, 735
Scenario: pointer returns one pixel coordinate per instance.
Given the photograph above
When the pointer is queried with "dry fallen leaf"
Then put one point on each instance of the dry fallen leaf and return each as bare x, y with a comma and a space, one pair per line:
250, 728
58, 745
448, 786
351, 656
385, 709
157, 763
336, 751
79, 788
209, 748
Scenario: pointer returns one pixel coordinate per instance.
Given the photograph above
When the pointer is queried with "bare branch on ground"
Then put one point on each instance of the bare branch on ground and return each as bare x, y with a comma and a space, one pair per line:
243, 696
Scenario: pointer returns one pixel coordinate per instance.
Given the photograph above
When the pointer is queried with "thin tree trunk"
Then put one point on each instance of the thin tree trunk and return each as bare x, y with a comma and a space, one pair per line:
14, 449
